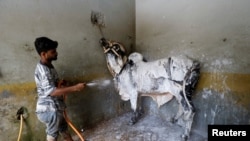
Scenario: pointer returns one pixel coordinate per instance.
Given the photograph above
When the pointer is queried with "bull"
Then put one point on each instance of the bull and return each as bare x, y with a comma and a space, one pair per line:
161, 79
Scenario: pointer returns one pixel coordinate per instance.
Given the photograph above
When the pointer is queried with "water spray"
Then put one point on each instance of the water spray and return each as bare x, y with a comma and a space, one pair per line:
98, 83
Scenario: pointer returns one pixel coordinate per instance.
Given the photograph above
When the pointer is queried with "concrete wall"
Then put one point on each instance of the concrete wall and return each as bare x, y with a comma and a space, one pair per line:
80, 58
216, 32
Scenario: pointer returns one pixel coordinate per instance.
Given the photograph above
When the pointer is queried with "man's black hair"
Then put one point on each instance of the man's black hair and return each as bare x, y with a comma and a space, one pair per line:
44, 44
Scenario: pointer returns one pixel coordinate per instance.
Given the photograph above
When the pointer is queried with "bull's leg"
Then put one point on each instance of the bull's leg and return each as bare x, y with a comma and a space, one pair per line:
189, 116
186, 110
185, 98
178, 115
135, 117
135, 101
190, 85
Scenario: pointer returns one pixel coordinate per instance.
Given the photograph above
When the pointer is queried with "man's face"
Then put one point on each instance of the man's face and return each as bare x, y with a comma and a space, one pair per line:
51, 55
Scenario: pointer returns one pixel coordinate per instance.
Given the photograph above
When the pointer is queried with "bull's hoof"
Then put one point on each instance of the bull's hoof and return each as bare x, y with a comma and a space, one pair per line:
136, 116
184, 137
131, 122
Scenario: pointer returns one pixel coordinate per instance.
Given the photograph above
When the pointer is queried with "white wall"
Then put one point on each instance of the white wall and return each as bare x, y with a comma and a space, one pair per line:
214, 31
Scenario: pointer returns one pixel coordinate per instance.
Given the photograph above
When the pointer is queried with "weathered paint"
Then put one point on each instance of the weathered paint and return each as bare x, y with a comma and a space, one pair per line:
18, 90
13, 96
238, 84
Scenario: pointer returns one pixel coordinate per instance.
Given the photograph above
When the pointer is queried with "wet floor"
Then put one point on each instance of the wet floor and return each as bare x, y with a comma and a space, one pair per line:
148, 128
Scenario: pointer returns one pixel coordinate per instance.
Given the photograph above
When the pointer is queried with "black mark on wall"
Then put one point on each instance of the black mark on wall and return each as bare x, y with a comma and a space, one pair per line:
97, 19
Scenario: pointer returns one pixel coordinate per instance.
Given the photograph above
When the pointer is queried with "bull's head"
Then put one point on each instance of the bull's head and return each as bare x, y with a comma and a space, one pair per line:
115, 55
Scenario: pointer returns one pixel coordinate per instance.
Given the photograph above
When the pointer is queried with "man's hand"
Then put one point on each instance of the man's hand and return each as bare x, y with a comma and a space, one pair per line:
79, 86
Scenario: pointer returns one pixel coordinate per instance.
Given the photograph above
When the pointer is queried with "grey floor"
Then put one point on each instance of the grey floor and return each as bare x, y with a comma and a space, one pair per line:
148, 128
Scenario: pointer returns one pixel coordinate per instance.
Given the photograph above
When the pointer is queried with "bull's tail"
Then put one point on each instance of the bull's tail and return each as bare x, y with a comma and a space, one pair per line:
189, 83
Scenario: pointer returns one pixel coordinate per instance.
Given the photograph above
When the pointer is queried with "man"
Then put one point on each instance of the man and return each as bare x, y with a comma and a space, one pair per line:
50, 104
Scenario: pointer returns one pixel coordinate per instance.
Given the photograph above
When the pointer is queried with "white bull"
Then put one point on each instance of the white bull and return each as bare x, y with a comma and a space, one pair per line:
161, 79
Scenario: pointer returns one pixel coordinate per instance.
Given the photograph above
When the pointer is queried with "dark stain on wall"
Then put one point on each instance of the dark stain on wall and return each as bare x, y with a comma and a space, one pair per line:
5, 94
28, 47
1, 74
